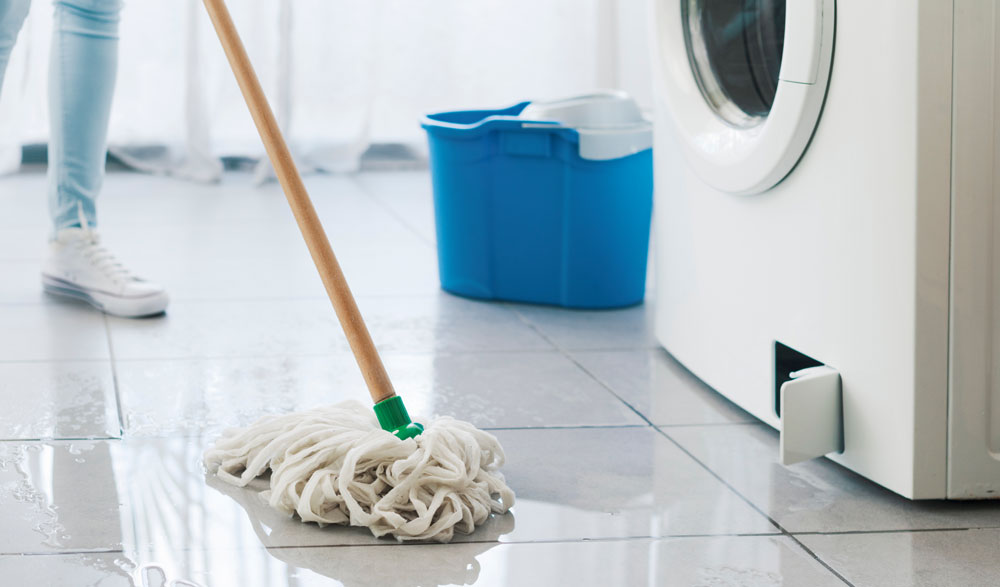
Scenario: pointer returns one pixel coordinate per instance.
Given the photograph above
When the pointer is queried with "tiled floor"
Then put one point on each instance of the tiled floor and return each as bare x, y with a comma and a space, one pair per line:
628, 470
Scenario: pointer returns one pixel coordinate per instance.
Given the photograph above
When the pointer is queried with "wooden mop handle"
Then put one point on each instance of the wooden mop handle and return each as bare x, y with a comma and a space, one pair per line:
354, 327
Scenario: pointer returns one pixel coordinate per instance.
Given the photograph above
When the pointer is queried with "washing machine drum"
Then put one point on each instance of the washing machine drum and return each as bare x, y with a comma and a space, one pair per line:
749, 96
735, 51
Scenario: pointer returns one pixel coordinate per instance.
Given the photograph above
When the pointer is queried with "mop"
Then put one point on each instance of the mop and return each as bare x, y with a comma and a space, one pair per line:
344, 464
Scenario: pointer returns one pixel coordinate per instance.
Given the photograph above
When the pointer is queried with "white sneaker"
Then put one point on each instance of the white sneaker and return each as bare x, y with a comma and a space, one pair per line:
79, 267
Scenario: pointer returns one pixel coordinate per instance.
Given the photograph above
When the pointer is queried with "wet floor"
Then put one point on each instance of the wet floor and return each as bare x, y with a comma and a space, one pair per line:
628, 471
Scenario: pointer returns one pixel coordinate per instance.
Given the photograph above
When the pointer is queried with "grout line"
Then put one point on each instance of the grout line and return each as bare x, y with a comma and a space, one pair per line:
389, 543
569, 354
898, 531
773, 522
609, 389
533, 327
605, 350
389, 210
582, 540
206, 433
61, 439
360, 295
18, 361
332, 353
710, 424
251, 299
567, 427
719, 478
211, 433
579, 366
114, 377
66, 552
816, 557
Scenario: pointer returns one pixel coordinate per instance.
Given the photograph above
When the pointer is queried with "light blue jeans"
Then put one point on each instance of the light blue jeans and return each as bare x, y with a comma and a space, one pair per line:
82, 70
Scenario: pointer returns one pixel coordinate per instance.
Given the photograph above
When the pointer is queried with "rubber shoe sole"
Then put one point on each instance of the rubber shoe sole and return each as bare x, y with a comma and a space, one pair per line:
126, 307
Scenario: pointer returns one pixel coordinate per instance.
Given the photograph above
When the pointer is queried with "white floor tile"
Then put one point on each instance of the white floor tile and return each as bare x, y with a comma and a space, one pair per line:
572, 484
57, 331
58, 496
667, 563
408, 195
661, 389
44, 400
400, 267
67, 570
627, 328
912, 559
22, 282
301, 327
819, 495
24, 243
607, 482
137, 199
492, 390
24, 202
238, 241
677, 562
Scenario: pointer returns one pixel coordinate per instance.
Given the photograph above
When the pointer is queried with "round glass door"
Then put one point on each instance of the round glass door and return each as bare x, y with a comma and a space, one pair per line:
742, 85
735, 49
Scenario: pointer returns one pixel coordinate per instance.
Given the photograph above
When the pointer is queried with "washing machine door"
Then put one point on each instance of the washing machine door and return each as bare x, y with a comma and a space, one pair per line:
744, 81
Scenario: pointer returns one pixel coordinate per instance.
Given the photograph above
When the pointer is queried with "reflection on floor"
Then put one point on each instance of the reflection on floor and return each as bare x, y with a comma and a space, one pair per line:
628, 470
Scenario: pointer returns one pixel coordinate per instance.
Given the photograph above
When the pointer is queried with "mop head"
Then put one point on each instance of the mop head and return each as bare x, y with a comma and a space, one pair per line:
335, 465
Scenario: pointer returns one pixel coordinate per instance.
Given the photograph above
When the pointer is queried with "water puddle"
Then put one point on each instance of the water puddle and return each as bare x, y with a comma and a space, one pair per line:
26, 486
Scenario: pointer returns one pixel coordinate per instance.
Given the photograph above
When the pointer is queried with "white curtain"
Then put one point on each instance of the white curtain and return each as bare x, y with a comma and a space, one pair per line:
340, 74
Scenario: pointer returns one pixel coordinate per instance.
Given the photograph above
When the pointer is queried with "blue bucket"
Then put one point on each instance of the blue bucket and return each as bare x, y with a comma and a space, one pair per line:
526, 211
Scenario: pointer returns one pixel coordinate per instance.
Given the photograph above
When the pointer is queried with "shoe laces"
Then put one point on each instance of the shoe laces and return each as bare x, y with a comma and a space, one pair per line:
99, 257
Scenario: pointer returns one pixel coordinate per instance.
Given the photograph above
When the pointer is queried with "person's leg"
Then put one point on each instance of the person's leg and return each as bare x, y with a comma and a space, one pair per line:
81, 84
82, 70
12, 13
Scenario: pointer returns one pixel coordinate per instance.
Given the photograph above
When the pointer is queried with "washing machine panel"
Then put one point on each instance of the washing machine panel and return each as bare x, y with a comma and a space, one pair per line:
822, 235
974, 336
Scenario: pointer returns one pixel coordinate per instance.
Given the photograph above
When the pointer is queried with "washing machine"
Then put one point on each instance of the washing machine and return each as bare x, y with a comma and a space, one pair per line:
825, 217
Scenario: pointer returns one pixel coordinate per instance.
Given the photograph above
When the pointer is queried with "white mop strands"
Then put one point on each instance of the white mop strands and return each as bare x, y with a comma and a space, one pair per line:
335, 465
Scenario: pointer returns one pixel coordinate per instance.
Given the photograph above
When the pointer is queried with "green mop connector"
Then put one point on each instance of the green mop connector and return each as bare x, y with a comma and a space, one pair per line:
392, 416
